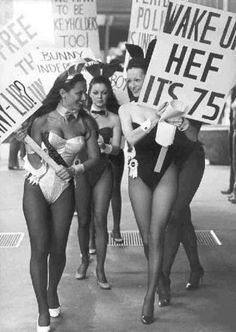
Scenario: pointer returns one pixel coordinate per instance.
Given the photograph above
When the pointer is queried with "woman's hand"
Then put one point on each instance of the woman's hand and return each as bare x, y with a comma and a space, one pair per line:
180, 122
21, 133
101, 143
161, 109
63, 173
176, 121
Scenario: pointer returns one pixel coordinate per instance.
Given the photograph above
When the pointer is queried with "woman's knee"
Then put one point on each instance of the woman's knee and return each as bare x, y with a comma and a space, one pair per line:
39, 252
100, 222
58, 255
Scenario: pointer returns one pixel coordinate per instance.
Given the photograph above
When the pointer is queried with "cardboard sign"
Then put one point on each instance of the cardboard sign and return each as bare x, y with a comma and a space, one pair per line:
75, 24
51, 62
119, 87
146, 21
39, 15
21, 91
193, 60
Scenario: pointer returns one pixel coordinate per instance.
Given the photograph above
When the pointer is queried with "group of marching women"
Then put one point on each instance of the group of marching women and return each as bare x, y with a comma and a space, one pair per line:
82, 133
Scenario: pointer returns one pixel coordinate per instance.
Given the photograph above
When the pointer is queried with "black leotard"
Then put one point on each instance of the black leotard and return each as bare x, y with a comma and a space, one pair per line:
147, 152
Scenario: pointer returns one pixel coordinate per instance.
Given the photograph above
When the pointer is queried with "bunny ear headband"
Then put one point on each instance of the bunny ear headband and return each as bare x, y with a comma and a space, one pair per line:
103, 69
136, 52
76, 68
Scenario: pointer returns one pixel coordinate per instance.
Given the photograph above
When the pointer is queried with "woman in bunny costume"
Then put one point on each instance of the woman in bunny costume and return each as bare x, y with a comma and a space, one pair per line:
152, 193
94, 189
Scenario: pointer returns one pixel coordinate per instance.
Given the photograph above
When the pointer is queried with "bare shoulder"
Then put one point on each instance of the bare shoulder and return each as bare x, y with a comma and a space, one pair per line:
125, 107
41, 121
114, 118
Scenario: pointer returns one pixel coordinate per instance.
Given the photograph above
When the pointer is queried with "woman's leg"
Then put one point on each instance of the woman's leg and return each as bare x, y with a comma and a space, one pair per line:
83, 199
62, 213
13, 153
92, 235
163, 199
141, 200
180, 228
101, 200
116, 201
37, 215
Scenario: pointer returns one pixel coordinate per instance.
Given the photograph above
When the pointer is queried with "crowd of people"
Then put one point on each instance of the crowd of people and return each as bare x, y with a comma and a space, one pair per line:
82, 132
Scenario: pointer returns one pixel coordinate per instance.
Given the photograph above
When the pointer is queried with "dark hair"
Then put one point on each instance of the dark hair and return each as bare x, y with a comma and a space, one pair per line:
67, 82
53, 97
137, 63
112, 103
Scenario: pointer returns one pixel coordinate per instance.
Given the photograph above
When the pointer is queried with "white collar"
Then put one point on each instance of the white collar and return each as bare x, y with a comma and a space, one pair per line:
63, 111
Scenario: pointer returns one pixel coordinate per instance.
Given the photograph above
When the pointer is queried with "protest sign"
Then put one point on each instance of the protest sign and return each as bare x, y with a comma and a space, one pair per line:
146, 21
51, 62
21, 90
75, 24
39, 15
119, 87
193, 60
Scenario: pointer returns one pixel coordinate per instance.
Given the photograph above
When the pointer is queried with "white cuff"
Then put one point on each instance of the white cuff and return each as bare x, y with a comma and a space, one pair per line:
146, 125
108, 149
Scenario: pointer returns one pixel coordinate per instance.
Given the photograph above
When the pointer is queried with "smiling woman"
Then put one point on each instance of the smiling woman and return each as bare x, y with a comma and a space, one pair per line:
48, 202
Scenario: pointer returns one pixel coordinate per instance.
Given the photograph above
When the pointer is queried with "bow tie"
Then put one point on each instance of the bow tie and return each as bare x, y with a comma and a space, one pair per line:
102, 112
72, 114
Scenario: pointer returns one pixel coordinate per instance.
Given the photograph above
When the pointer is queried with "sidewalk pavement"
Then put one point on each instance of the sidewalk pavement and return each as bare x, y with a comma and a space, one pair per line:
87, 308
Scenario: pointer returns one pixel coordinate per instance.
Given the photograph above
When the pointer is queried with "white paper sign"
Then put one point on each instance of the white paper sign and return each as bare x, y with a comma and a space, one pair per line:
21, 91
193, 61
146, 21
75, 24
51, 62
119, 86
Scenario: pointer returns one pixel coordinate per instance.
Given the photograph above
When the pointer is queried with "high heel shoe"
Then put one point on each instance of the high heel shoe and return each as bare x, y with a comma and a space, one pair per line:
163, 291
54, 312
195, 279
42, 328
103, 284
117, 237
82, 269
147, 319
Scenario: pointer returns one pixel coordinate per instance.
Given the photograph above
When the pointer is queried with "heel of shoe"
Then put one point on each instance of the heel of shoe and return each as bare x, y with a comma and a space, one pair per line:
195, 279
55, 312
82, 269
163, 291
148, 318
42, 328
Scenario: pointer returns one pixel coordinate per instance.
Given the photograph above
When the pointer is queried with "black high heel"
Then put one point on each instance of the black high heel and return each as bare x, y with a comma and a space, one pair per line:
163, 291
147, 319
195, 279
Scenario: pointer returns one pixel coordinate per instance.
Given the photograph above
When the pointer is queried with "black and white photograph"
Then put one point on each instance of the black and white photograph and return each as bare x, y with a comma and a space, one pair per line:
117, 165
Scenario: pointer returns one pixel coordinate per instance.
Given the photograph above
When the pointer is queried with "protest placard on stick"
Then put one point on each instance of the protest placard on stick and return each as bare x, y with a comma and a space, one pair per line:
21, 91
193, 60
